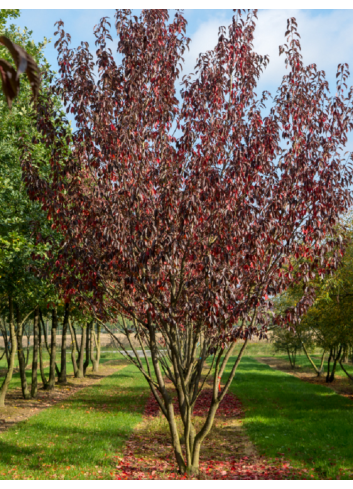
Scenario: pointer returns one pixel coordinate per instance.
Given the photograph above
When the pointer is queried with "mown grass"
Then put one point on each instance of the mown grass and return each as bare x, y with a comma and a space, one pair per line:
81, 437
310, 425
302, 363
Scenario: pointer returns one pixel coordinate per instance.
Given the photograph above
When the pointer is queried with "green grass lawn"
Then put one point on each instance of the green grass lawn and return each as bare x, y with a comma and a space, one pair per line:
309, 424
81, 437
302, 362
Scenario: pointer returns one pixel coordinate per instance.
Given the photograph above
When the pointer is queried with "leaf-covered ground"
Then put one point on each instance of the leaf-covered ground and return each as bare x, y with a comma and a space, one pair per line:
227, 453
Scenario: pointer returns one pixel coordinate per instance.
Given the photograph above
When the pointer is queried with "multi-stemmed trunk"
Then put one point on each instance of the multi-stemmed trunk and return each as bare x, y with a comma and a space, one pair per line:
183, 361
34, 386
12, 354
335, 356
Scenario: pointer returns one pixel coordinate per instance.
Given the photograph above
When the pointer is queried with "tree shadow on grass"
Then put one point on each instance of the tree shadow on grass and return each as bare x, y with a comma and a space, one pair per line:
285, 415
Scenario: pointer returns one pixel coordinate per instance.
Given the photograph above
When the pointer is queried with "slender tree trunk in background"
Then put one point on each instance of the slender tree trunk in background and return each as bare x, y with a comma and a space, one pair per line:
73, 349
41, 364
322, 364
21, 357
344, 358
34, 386
54, 327
336, 359
335, 355
317, 370
6, 343
86, 364
328, 366
8, 377
95, 355
81, 355
44, 332
27, 352
63, 376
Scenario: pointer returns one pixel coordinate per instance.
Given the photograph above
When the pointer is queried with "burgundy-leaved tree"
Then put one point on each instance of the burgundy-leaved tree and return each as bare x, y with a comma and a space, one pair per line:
182, 217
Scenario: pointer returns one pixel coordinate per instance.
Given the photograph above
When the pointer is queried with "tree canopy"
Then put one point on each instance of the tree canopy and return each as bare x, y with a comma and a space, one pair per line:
184, 217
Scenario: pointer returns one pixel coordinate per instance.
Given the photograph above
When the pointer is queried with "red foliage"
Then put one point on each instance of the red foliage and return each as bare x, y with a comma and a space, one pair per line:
202, 225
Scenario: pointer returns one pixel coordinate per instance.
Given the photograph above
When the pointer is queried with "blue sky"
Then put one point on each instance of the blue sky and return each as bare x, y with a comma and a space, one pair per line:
326, 35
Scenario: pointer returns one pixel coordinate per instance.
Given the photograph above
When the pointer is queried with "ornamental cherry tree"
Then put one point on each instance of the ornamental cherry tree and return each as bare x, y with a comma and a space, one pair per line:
181, 218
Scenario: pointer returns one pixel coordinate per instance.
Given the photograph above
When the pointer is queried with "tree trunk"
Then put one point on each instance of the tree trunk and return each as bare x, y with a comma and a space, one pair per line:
8, 377
73, 349
336, 357
86, 364
27, 352
34, 386
81, 355
63, 376
6, 343
322, 364
42, 372
95, 356
317, 370
54, 326
21, 357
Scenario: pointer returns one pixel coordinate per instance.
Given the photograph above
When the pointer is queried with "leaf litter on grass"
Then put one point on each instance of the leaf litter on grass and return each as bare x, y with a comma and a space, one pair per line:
227, 453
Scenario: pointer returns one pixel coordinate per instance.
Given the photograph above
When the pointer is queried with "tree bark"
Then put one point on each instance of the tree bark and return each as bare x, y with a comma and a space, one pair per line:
41, 364
6, 343
21, 357
73, 349
34, 386
95, 355
81, 355
54, 327
63, 375
317, 370
8, 376
88, 336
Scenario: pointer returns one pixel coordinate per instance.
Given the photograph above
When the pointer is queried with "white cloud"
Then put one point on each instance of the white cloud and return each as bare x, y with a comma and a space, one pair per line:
204, 39
326, 40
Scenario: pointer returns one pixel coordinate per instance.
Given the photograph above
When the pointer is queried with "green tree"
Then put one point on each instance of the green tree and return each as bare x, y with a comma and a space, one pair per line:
26, 237
328, 323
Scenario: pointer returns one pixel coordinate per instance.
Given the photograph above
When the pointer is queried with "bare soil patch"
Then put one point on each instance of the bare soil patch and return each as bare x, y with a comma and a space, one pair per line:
341, 385
18, 409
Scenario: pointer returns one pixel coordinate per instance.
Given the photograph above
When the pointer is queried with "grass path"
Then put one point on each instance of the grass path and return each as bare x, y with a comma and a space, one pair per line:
79, 438
309, 424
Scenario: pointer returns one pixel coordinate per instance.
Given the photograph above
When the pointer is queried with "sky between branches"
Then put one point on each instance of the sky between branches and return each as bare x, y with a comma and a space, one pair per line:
326, 36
